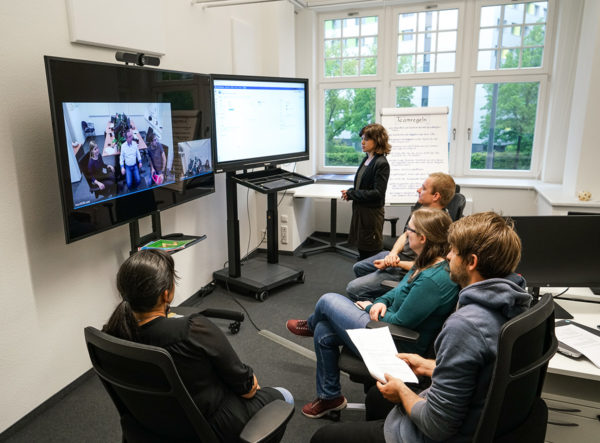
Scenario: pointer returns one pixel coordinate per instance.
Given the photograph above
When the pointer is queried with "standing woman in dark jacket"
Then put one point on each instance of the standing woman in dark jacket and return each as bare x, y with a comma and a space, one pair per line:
368, 193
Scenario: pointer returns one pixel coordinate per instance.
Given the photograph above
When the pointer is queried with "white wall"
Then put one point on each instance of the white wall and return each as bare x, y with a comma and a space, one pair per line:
51, 290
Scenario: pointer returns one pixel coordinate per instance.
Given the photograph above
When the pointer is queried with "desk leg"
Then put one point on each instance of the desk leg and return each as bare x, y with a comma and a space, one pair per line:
333, 223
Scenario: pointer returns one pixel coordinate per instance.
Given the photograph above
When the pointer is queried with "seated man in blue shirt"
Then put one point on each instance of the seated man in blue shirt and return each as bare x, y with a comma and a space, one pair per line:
436, 192
485, 251
129, 160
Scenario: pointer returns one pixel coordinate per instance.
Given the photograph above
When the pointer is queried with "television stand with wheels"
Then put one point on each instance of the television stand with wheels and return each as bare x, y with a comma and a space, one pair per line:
257, 276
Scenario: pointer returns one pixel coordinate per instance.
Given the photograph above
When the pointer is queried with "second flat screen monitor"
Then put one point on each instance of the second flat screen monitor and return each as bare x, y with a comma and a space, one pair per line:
259, 120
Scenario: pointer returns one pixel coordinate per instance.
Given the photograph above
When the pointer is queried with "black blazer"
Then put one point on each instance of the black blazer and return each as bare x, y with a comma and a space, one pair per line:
371, 192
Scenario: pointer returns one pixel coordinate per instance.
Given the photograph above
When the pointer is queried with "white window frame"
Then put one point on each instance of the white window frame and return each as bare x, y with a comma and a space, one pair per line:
464, 80
393, 53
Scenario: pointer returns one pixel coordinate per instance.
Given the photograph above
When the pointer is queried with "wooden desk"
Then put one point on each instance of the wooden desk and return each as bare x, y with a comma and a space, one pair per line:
572, 386
109, 136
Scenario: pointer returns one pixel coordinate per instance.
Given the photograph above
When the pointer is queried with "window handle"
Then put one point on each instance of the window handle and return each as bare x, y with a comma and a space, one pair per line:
468, 133
453, 133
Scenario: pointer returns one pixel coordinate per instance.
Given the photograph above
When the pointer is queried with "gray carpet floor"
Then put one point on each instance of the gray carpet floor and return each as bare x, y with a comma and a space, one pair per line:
86, 413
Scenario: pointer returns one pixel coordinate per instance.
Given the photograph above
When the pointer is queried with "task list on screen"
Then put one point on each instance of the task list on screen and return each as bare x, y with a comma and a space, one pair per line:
257, 119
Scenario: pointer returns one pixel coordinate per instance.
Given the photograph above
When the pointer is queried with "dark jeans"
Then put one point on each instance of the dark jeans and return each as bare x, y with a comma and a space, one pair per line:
370, 431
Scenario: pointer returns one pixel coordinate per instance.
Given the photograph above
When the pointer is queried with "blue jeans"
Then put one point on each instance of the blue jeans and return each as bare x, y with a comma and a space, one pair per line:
367, 284
333, 314
129, 170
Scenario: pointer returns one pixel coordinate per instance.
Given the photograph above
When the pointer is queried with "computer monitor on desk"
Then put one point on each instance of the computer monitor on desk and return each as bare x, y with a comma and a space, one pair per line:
559, 251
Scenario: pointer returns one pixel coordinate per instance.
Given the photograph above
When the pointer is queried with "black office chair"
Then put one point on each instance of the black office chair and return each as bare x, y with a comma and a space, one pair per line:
152, 401
88, 129
514, 410
455, 209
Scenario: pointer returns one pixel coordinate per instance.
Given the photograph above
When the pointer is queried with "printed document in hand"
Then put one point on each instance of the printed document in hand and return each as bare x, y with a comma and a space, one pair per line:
580, 339
378, 351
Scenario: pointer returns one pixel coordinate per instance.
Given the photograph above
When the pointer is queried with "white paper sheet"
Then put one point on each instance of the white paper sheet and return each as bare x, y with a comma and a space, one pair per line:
585, 342
378, 351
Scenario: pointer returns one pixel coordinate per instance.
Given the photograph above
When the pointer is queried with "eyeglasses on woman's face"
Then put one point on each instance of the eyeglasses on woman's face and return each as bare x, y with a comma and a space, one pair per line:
408, 228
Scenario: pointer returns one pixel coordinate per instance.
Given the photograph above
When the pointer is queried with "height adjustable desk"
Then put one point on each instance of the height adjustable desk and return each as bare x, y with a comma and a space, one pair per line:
334, 193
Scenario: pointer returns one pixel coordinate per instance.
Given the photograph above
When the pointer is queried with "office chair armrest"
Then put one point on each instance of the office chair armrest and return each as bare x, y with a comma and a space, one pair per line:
225, 314
393, 221
389, 284
398, 332
266, 421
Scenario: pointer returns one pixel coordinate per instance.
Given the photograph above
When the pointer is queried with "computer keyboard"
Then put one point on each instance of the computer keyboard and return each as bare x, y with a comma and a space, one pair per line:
279, 183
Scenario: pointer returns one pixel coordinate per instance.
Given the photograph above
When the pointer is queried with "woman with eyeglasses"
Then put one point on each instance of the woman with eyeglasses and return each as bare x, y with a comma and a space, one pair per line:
422, 302
368, 193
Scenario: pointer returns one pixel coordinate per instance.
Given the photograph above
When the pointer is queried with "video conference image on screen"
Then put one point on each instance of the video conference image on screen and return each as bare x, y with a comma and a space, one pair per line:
128, 148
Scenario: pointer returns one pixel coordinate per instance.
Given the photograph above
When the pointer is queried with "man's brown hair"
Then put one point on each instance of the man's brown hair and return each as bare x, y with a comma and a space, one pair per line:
491, 238
444, 184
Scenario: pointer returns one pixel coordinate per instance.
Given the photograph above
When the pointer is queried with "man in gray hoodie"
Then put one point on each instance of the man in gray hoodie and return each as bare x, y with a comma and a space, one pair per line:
485, 252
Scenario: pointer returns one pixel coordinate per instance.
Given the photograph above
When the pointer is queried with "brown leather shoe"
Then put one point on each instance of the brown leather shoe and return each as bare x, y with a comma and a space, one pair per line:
319, 407
299, 327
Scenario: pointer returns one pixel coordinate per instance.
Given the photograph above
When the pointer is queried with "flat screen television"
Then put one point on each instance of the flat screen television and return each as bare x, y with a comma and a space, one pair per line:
259, 121
129, 141
559, 251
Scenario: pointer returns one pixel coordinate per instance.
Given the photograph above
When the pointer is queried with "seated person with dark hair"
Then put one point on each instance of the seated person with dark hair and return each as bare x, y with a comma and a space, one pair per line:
99, 173
225, 390
158, 160
485, 251
436, 192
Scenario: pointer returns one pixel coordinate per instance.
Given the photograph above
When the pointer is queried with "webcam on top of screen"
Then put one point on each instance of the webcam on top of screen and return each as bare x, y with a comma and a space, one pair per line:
139, 58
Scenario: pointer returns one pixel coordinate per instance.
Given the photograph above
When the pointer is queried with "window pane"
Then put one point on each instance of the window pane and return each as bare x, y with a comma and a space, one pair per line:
510, 58
511, 36
350, 47
532, 57
406, 43
351, 27
448, 19
446, 41
346, 112
346, 40
406, 63
426, 42
534, 35
407, 22
505, 141
488, 38
368, 26
368, 46
446, 62
368, 66
490, 16
536, 12
486, 60
513, 14
350, 66
333, 28
425, 62
333, 48
427, 21
514, 36
333, 68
